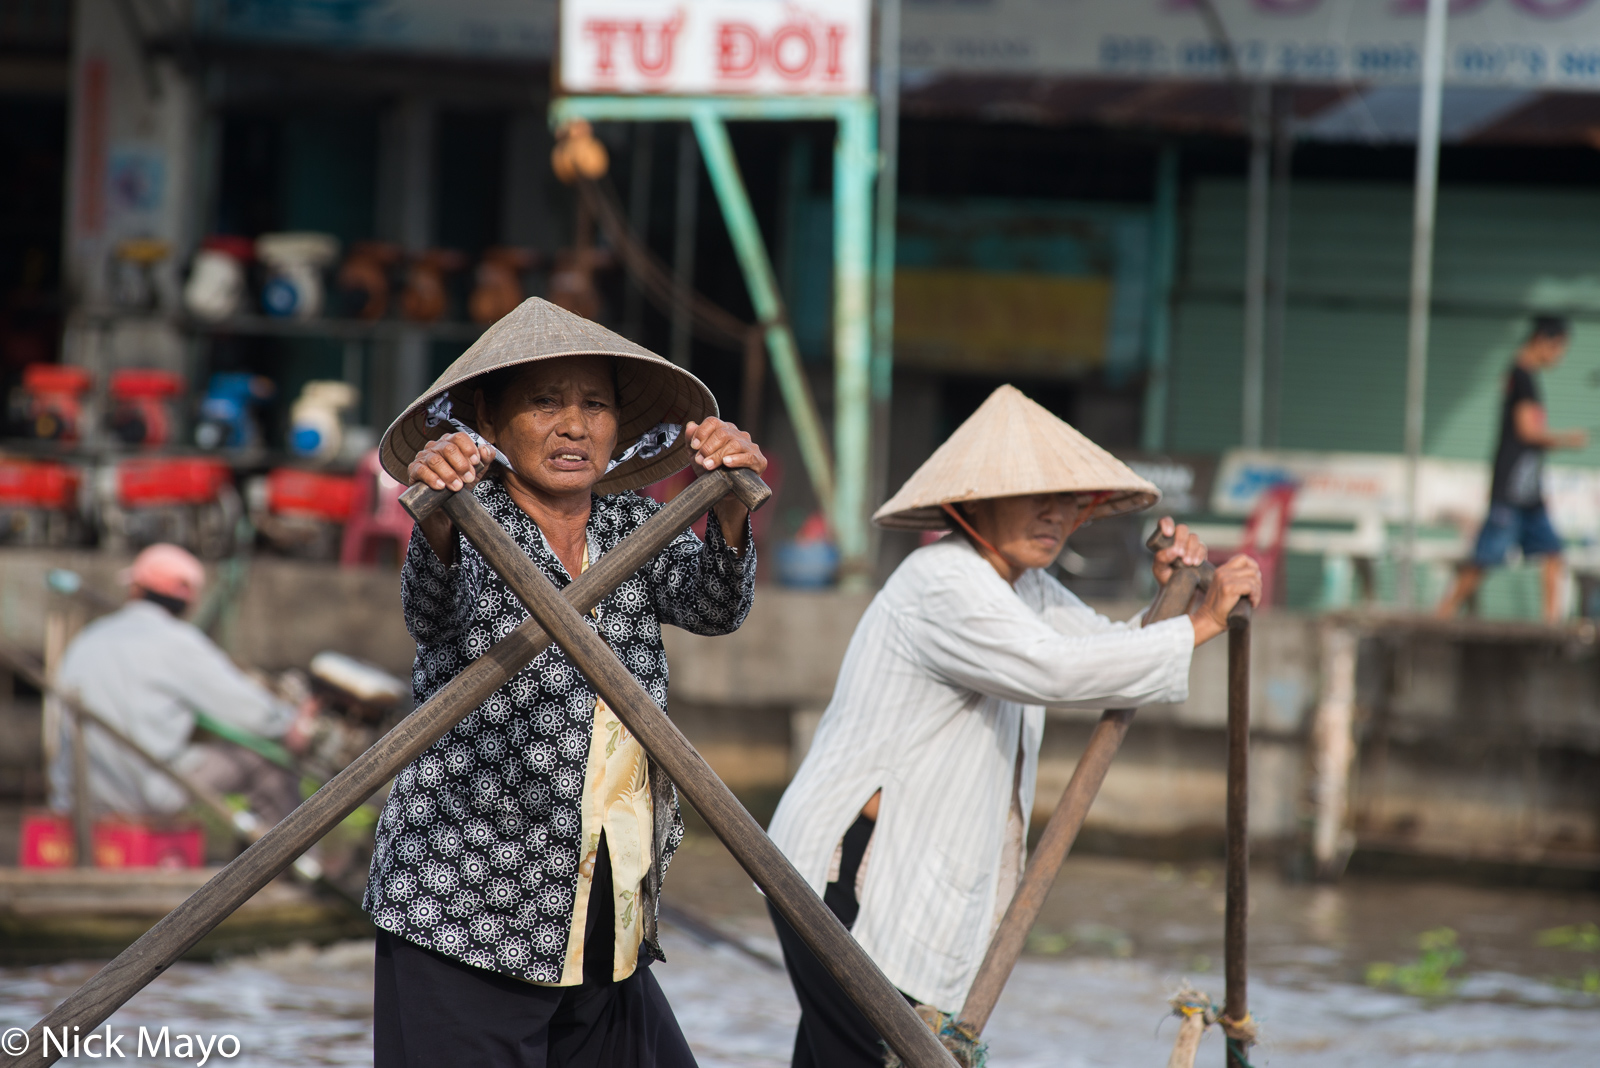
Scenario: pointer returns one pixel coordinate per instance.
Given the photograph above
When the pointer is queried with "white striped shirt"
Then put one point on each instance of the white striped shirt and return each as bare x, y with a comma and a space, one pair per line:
946, 675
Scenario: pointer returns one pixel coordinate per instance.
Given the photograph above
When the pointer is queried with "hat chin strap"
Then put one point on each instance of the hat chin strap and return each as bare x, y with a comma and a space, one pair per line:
1095, 501
950, 510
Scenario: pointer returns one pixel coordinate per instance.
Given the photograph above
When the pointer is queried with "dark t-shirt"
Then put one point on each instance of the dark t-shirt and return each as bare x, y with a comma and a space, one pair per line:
1518, 466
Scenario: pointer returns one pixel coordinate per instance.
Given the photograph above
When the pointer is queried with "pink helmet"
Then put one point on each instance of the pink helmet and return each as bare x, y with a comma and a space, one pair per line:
169, 571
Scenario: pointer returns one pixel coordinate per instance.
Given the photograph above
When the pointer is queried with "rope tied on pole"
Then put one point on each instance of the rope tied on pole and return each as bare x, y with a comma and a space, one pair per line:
961, 1040
1198, 1012
1244, 1031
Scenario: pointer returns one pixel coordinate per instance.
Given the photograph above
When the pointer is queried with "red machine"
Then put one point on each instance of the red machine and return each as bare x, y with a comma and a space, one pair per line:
55, 400
141, 412
44, 485
168, 481
293, 494
39, 501
189, 500
302, 513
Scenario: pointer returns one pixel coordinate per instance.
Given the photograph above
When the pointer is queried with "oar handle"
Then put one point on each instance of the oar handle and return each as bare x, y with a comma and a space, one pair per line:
1172, 600
422, 500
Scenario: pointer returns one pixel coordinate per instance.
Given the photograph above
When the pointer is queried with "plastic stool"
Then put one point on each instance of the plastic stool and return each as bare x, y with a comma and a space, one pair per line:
376, 515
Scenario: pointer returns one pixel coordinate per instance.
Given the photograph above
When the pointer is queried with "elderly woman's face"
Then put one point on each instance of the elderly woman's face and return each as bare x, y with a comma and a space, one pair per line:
1029, 531
556, 423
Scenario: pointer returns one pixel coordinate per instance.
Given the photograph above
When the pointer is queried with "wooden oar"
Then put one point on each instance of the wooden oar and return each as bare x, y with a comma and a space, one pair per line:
1062, 829
139, 964
1235, 1018
889, 1012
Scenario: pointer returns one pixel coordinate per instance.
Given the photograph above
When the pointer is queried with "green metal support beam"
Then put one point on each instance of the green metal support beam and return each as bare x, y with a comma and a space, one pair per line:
1158, 315
842, 486
883, 253
723, 169
855, 164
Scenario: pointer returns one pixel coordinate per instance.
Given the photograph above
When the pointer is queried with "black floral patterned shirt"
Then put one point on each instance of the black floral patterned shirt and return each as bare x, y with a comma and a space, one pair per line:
478, 846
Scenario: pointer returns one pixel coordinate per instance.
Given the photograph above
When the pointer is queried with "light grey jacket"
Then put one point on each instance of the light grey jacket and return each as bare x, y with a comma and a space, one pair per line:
147, 672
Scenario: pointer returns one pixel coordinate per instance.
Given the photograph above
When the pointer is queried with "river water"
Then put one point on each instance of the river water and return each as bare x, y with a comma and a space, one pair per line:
1116, 939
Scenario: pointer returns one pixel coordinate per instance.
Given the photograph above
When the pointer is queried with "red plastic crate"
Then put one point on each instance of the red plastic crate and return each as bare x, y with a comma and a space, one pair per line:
41, 484
310, 495
55, 378
165, 481
47, 841
124, 842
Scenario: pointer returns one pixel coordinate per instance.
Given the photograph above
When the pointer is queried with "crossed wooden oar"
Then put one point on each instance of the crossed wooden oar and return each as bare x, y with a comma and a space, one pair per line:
558, 616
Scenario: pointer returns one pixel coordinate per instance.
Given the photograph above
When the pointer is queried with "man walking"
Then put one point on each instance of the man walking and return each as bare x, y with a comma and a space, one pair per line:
1517, 514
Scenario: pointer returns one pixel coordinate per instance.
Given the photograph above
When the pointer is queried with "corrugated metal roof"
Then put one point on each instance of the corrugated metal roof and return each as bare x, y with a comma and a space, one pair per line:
1344, 113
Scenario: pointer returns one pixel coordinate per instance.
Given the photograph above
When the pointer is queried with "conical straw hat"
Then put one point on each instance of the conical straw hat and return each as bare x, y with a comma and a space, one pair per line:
1010, 447
650, 390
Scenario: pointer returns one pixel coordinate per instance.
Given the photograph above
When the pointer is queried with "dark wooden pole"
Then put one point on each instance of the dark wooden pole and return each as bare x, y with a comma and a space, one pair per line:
1006, 946
82, 813
793, 897
1236, 1002
139, 964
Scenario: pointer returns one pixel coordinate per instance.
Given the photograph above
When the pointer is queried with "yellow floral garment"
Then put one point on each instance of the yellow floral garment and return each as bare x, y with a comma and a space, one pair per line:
616, 799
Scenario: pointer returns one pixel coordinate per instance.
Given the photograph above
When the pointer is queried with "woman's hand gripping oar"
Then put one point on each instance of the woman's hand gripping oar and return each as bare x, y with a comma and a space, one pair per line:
1062, 829
135, 967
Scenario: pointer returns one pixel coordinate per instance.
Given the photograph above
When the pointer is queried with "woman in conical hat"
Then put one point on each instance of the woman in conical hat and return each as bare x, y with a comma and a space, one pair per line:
519, 859
910, 810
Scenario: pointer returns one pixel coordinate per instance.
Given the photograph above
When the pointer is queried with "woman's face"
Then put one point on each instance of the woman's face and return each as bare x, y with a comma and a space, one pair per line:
556, 423
1029, 531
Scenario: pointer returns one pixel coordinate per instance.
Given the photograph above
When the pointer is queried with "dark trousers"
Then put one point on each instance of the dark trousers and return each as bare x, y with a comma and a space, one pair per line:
833, 1033
434, 1012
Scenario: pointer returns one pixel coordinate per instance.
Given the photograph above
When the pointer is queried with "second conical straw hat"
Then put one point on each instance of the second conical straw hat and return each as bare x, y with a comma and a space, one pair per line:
1010, 447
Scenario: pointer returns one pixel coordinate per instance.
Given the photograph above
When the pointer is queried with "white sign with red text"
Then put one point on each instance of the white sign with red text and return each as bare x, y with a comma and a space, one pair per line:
745, 47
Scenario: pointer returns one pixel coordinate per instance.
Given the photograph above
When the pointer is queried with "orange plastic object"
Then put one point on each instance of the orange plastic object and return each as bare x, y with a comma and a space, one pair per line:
365, 273
499, 288
425, 299
310, 495
173, 480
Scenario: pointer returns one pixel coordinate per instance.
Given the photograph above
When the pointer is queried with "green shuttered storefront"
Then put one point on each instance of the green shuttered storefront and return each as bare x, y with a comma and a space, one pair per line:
1502, 254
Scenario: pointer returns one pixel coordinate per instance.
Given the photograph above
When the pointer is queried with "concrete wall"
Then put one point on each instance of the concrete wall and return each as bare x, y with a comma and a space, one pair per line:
288, 612
1469, 744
